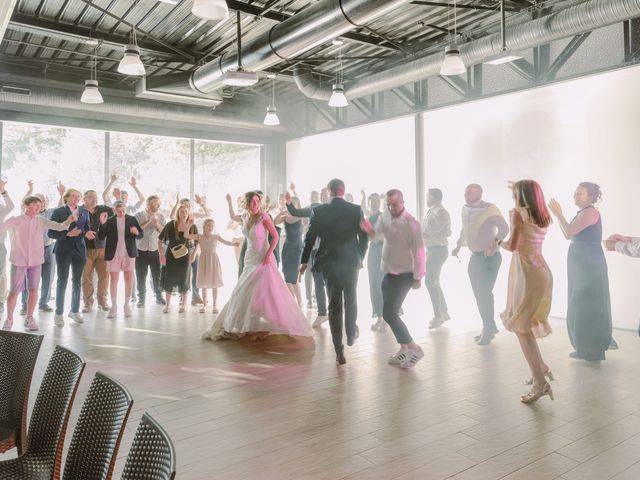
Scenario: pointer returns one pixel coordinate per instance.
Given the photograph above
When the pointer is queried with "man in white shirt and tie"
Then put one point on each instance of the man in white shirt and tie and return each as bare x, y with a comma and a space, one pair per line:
436, 229
482, 224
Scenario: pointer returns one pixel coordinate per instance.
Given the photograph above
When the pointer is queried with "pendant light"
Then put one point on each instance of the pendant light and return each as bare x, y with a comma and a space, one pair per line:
216, 10
453, 64
131, 63
338, 98
271, 118
91, 93
505, 55
239, 77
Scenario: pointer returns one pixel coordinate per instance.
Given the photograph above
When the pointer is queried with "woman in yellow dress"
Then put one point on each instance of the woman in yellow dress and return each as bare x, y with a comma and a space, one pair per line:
530, 282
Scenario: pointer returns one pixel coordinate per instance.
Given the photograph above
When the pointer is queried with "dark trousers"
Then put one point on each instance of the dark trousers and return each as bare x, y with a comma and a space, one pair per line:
483, 272
46, 277
73, 261
146, 261
436, 256
195, 292
319, 285
394, 291
342, 288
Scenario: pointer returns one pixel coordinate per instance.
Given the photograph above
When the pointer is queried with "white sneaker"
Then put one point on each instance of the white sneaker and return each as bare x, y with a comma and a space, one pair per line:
76, 317
30, 324
58, 320
8, 324
127, 310
113, 312
320, 319
398, 358
413, 357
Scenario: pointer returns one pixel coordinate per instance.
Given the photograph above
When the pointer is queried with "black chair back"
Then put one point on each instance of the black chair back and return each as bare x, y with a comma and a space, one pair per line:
152, 455
97, 435
18, 355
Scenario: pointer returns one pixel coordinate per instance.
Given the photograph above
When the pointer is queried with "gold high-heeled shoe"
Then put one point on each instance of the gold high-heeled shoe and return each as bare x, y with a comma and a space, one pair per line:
547, 374
536, 393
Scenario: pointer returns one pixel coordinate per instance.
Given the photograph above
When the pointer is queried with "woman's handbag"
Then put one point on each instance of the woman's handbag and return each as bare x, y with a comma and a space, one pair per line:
179, 251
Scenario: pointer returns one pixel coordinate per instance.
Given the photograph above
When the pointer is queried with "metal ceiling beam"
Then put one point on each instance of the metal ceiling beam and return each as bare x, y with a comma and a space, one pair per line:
48, 28
565, 55
177, 50
467, 6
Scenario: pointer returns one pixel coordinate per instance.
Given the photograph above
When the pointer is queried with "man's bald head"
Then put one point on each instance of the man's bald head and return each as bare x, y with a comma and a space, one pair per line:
473, 193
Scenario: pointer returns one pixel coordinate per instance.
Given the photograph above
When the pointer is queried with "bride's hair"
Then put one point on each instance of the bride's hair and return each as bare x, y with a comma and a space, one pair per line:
248, 197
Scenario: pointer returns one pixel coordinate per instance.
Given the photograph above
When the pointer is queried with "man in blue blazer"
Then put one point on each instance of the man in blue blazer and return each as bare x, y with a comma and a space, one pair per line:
70, 252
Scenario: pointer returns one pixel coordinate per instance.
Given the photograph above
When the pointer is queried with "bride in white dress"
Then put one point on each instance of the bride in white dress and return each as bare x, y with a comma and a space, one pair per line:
260, 301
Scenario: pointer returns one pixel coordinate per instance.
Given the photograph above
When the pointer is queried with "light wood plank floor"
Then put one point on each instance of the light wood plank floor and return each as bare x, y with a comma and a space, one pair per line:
282, 409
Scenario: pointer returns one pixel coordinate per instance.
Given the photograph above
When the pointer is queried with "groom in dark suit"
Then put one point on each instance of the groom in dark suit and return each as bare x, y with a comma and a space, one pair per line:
342, 247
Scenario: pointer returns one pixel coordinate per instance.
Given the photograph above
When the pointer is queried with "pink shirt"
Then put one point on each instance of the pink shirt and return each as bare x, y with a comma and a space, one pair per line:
27, 238
121, 247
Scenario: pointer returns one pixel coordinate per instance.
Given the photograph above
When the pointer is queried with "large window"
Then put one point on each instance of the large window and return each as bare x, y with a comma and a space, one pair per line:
373, 158
160, 164
47, 155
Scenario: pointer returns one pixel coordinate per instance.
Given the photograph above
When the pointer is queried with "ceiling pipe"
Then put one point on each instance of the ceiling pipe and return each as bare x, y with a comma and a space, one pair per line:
313, 26
573, 20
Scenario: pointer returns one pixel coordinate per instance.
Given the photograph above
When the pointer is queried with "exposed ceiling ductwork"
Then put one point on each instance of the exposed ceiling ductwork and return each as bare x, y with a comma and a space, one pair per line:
574, 20
174, 89
315, 25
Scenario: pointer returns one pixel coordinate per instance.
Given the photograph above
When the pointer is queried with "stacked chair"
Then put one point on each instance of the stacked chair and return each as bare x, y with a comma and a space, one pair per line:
97, 434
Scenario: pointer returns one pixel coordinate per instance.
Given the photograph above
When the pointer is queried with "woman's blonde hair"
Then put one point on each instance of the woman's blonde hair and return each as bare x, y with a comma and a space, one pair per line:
69, 192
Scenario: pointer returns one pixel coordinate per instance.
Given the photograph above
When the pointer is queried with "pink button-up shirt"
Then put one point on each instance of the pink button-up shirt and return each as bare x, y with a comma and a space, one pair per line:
27, 238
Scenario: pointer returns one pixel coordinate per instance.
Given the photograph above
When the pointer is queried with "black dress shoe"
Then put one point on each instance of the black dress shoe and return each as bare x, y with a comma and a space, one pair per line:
340, 360
160, 301
351, 340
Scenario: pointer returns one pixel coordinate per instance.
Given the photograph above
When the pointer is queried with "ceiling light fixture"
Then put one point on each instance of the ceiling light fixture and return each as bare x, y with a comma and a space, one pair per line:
239, 77
91, 93
453, 64
505, 55
216, 10
271, 118
131, 63
338, 98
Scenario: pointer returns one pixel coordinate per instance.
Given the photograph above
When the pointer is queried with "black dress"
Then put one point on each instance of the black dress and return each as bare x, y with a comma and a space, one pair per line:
176, 274
589, 306
292, 251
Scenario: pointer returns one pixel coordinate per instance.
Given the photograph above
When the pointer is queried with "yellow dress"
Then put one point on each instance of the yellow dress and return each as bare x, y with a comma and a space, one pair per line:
530, 285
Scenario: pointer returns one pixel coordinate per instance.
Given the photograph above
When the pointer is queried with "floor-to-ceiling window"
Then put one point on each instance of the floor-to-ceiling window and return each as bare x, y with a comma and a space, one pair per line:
48, 155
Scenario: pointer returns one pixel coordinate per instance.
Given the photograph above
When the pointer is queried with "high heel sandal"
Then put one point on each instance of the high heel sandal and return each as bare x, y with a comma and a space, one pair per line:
536, 393
547, 374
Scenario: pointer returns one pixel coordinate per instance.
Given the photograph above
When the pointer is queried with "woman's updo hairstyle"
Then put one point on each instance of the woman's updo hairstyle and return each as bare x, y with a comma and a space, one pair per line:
593, 190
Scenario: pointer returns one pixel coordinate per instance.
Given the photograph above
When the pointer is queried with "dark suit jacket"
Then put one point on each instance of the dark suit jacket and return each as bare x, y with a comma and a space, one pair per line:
305, 212
343, 244
66, 244
109, 230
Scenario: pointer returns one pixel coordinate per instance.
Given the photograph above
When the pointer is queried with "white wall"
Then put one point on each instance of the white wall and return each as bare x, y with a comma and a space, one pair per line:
582, 130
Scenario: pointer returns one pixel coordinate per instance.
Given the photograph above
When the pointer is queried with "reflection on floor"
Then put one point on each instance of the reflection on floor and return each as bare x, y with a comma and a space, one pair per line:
282, 409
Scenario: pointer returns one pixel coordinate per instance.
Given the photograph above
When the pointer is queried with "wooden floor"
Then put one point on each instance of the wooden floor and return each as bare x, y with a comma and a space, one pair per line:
282, 409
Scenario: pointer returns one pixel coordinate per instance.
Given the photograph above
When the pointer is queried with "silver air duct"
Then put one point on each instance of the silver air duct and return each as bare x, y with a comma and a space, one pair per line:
574, 20
313, 26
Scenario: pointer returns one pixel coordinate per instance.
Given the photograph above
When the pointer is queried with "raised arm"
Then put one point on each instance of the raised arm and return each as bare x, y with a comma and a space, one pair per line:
297, 212
8, 203
107, 190
61, 189
232, 214
29, 189
134, 184
584, 219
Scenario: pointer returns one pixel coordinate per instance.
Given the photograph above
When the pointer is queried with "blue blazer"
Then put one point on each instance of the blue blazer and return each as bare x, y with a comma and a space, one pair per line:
64, 244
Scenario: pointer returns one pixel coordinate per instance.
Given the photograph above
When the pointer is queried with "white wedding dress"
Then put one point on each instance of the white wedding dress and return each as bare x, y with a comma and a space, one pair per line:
260, 301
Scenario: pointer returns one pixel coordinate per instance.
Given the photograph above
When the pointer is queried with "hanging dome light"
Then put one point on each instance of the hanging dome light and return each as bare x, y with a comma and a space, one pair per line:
338, 98
271, 118
131, 63
91, 93
453, 64
216, 10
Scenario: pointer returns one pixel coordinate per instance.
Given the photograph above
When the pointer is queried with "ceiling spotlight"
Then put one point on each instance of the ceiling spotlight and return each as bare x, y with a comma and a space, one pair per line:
239, 78
216, 10
271, 118
338, 42
453, 64
505, 55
